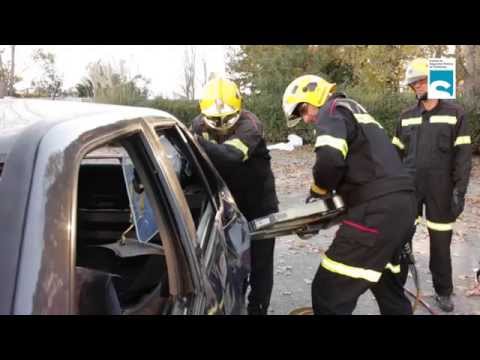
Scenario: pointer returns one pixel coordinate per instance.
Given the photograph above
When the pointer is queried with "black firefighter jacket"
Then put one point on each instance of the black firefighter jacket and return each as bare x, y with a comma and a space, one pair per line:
243, 160
354, 155
435, 143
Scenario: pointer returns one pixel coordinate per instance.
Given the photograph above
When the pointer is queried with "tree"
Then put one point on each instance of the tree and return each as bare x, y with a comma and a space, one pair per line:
50, 83
11, 80
84, 88
376, 67
8, 78
372, 71
472, 75
435, 51
269, 68
189, 64
113, 84
204, 72
379, 68
3, 77
263, 72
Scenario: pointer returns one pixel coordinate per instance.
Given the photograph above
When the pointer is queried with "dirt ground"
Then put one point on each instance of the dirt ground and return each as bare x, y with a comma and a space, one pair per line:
296, 260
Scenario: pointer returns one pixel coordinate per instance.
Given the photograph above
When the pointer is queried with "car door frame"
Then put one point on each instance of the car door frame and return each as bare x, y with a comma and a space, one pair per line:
214, 257
45, 279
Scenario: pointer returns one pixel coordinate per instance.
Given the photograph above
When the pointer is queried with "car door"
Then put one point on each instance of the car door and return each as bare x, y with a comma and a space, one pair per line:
222, 238
230, 235
133, 270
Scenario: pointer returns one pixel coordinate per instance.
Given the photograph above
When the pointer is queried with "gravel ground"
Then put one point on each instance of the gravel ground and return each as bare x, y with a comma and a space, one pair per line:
296, 260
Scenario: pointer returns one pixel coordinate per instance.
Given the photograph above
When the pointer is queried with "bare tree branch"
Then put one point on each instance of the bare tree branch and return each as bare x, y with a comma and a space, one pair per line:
188, 87
3, 84
205, 72
11, 81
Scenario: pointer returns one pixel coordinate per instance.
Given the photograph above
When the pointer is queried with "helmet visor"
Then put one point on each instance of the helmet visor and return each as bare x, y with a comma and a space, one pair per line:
293, 120
222, 122
414, 79
297, 114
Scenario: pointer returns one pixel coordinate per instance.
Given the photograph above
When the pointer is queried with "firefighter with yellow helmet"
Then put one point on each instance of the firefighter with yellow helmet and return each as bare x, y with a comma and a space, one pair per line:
233, 139
355, 159
434, 144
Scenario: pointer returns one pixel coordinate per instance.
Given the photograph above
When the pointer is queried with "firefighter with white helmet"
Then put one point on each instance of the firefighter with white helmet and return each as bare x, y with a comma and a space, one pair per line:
416, 70
434, 144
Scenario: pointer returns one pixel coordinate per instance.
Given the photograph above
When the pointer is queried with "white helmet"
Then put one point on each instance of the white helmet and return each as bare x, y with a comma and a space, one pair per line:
416, 70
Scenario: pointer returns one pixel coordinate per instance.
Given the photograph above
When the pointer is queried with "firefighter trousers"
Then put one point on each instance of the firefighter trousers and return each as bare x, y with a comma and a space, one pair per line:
435, 193
365, 254
261, 276
261, 251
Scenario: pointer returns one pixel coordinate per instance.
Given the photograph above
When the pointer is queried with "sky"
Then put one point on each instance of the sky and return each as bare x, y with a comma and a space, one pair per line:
162, 64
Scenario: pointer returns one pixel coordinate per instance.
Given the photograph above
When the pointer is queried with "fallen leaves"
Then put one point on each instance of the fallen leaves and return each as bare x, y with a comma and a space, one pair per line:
293, 170
475, 291
473, 200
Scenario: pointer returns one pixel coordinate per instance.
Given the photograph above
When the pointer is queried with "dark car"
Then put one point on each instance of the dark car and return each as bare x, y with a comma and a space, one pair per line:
113, 210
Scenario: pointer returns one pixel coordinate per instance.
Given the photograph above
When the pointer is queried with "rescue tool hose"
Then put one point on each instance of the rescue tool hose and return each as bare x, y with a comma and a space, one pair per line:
421, 301
408, 253
417, 296
413, 270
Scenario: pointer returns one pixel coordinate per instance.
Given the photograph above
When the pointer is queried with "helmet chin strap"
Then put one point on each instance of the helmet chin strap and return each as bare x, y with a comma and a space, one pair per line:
422, 97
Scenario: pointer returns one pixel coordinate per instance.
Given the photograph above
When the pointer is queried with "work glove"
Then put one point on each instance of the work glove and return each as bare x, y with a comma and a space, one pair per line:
316, 193
458, 202
204, 141
407, 253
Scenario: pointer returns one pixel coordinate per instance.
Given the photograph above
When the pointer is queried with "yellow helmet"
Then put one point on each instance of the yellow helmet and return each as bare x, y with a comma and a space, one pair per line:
220, 104
309, 89
416, 70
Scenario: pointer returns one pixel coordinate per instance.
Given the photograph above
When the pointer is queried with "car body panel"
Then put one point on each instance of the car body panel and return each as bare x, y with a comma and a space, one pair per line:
43, 148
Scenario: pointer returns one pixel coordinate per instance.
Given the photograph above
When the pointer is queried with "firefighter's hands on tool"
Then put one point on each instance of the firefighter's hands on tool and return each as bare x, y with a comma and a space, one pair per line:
316, 193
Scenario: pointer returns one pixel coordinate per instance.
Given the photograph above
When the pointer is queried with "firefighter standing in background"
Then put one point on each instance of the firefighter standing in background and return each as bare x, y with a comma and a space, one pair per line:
355, 158
434, 143
233, 139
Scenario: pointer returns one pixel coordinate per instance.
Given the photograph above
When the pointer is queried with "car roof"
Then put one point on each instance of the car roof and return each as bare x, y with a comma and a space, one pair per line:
17, 115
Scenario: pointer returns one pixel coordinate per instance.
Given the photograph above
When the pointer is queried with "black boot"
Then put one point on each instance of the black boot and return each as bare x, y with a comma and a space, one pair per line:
257, 309
444, 302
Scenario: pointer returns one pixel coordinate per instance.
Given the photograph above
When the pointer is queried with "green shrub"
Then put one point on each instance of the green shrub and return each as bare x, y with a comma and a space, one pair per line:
183, 110
384, 107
